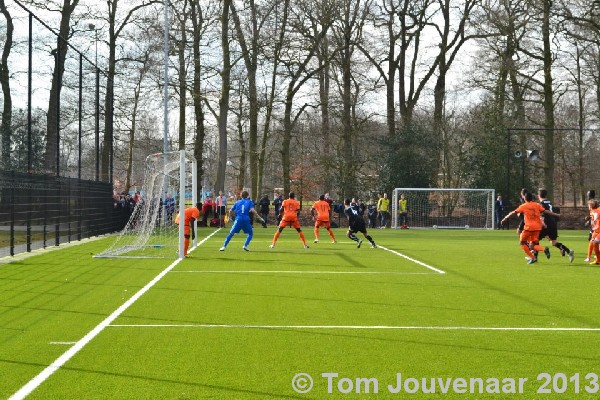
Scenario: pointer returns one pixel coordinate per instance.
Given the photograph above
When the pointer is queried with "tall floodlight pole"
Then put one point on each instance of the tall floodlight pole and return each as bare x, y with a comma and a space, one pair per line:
166, 78
166, 118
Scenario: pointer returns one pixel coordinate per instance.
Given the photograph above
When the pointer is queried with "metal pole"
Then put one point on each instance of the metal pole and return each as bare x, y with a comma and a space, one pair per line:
97, 128
166, 115
29, 90
195, 196
58, 77
181, 201
80, 115
523, 170
166, 77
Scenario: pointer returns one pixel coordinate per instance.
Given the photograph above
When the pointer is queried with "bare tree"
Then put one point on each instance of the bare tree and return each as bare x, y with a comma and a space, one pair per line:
224, 97
298, 72
182, 43
116, 26
60, 54
450, 43
250, 49
273, 55
348, 32
399, 25
199, 25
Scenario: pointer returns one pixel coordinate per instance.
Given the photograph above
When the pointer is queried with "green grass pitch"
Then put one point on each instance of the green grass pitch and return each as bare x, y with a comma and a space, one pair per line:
243, 325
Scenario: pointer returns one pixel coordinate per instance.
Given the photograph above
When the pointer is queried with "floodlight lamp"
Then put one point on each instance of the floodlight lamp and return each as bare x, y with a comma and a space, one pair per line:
533, 155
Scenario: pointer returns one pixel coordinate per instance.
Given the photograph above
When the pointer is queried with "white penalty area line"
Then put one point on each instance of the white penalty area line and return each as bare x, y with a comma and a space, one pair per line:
302, 272
67, 355
439, 271
361, 327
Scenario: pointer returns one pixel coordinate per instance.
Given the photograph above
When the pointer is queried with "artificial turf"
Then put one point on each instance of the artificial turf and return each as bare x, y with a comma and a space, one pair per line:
241, 325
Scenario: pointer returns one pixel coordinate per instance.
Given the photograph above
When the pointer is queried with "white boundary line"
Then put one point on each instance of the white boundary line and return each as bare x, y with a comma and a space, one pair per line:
302, 272
439, 271
67, 355
362, 327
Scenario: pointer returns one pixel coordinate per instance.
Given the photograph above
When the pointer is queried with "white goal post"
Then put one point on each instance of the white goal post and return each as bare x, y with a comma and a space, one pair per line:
445, 208
151, 231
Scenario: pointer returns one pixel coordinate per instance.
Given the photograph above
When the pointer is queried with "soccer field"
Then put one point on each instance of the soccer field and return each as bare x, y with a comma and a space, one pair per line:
455, 312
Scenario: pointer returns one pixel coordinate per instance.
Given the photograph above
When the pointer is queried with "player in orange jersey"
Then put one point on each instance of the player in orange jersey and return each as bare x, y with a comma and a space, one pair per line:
529, 237
320, 212
190, 215
289, 210
595, 228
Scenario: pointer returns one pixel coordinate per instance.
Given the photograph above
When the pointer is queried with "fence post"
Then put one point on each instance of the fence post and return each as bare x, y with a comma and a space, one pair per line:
12, 218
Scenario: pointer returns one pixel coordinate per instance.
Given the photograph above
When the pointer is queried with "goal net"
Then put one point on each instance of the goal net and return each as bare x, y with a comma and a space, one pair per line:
444, 208
151, 231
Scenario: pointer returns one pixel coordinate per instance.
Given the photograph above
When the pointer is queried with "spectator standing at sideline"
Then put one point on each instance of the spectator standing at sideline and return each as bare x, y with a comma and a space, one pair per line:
221, 207
500, 211
329, 201
372, 214
170, 207
277, 200
207, 210
264, 204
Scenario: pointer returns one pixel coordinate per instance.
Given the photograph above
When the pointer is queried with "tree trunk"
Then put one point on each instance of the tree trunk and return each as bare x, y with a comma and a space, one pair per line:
197, 97
287, 138
182, 82
224, 100
324, 89
52, 124
6, 125
548, 102
250, 56
347, 157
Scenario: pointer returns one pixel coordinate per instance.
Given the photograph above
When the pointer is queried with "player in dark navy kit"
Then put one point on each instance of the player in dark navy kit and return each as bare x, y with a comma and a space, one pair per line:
356, 223
550, 230
241, 211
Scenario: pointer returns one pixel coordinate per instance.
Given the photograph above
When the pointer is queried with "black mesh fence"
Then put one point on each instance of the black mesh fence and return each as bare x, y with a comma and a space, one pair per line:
57, 92
37, 211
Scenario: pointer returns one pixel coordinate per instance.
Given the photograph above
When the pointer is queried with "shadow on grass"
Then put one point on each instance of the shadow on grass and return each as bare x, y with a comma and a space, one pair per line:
230, 390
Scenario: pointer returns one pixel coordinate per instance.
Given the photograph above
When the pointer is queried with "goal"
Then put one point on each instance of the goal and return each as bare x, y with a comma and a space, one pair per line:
151, 231
445, 208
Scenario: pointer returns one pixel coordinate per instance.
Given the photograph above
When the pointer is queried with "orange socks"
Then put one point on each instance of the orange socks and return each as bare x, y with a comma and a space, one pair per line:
302, 237
528, 251
186, 245
276, 237
331, 234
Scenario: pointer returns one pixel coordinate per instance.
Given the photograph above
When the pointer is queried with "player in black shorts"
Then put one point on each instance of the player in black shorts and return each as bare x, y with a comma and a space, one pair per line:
550, 230
356, 223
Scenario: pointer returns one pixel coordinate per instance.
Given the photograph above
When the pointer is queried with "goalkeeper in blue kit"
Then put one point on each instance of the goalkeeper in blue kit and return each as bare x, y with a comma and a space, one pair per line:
241, 211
